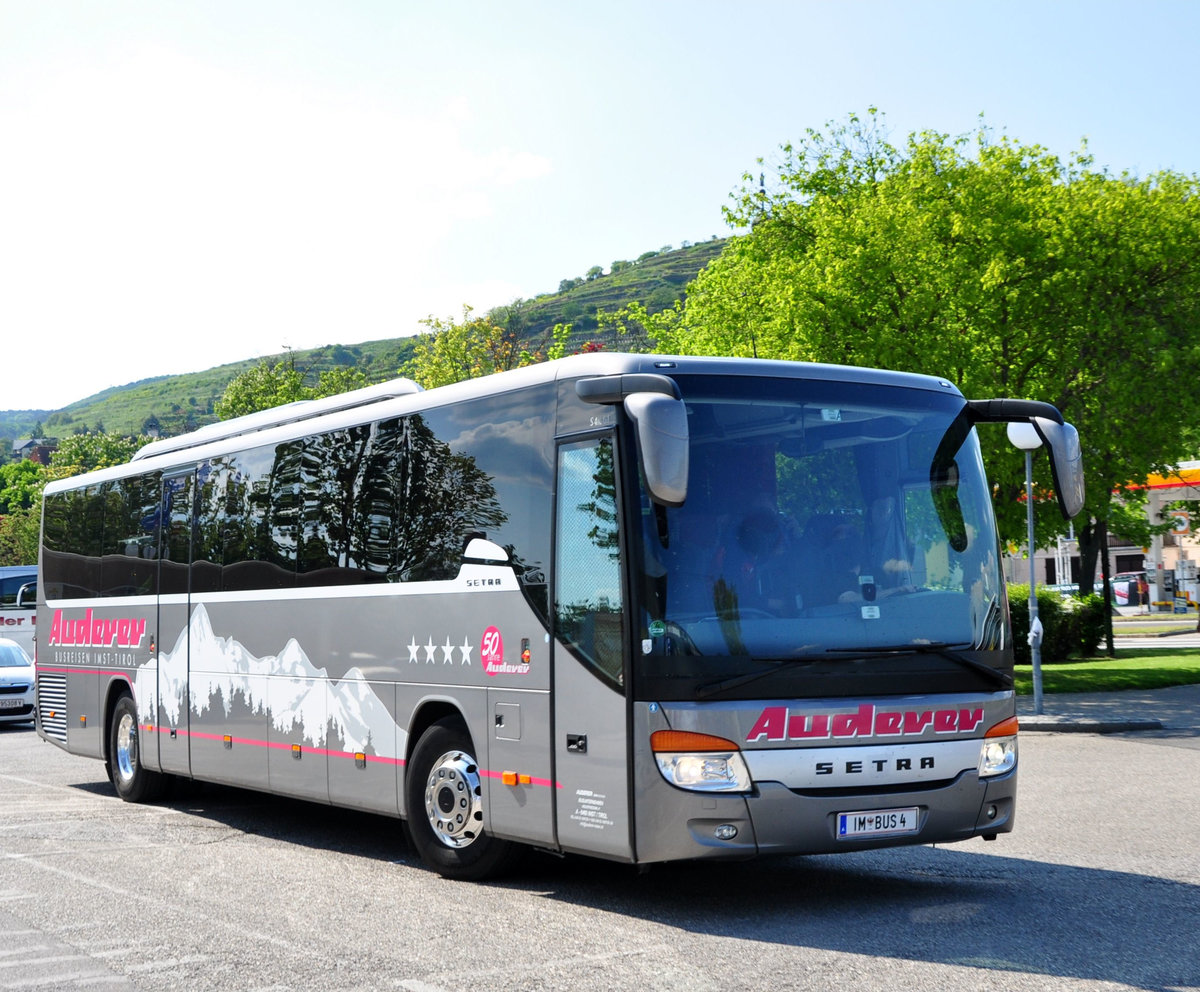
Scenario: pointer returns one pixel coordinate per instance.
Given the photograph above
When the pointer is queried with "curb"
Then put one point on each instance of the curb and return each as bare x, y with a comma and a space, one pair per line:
1082, 725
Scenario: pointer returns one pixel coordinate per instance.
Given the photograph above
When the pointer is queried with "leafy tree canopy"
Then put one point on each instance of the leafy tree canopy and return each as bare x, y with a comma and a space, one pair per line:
20, 485
456, 350
81, 453
992, 263
19, 537
267, 385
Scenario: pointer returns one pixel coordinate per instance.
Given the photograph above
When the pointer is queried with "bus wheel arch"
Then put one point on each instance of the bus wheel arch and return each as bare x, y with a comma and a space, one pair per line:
444, 804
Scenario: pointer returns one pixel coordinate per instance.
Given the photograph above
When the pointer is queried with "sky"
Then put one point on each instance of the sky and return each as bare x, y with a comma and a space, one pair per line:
186, 184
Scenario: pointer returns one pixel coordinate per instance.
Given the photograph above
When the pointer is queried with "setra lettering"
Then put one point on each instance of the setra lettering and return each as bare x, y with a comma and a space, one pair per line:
874, 766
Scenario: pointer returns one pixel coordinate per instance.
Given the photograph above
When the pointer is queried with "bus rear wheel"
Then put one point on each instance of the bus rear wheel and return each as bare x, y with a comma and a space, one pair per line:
133, 782
444, 803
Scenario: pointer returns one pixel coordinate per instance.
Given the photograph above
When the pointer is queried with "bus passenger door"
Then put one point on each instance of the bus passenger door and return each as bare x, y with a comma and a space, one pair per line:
171, 638
590, 712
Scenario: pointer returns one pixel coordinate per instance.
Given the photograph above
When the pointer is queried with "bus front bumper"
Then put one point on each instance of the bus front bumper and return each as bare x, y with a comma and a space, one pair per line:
774, 819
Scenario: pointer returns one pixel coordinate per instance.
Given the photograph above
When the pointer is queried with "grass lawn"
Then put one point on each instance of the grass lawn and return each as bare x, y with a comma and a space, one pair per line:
1132, 669
1130, 628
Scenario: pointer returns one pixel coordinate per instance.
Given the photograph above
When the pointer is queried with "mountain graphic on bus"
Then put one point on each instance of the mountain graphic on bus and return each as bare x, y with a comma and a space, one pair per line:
303, 701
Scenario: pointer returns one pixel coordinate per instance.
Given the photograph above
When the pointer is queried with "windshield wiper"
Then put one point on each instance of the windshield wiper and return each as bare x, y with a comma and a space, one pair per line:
951, 652
712, 688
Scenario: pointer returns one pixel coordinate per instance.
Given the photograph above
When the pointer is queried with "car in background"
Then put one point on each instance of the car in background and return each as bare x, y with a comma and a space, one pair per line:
1131, 589
16, 683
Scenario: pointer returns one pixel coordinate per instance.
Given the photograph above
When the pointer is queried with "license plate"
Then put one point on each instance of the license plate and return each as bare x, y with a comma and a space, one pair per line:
872, 822
11, 704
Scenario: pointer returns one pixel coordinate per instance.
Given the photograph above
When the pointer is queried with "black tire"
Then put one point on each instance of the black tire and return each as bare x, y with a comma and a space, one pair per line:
134, 783
444, 807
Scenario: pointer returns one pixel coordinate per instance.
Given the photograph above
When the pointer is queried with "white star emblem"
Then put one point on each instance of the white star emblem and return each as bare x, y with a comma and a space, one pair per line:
466, 649
413, 648
430, 651
447, 652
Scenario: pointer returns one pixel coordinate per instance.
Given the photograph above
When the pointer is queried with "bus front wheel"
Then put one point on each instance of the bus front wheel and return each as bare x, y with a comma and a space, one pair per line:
444, 802
133, 782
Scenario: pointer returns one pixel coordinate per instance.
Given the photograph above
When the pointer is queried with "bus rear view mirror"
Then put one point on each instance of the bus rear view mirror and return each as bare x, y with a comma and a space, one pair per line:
1066, 462
662, 431
1060, 438
27, 596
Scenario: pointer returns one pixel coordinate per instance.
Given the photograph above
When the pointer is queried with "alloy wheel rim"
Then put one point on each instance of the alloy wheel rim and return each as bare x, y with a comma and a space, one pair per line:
453, 800
127, 747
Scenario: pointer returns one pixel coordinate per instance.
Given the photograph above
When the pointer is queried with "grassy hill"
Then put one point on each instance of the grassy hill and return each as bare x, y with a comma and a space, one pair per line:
180, 403
657, 279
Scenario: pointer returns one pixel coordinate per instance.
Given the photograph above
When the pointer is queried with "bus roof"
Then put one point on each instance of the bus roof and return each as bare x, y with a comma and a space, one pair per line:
398, 397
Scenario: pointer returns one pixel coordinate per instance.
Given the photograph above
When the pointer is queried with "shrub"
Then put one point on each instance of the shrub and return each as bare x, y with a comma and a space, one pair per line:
1071, 626
1092, 614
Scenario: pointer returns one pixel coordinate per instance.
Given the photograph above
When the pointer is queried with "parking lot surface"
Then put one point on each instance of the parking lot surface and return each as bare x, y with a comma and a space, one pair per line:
219, 889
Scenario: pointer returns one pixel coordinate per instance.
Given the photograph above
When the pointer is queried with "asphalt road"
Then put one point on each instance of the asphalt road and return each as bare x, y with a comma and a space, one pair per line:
1098, 888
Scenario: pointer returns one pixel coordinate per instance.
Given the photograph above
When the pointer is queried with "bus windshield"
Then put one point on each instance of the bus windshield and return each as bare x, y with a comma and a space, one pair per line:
829, 527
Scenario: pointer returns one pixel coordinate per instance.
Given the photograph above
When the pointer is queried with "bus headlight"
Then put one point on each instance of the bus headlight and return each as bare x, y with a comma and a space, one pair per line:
998, 752
700, 762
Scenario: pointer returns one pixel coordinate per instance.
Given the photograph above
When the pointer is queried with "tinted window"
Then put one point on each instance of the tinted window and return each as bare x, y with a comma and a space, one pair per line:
491, 475
176, 548
379, 509
10, 585
330, 470
587, 593
823, 519
207, 554
242, 523
394, 501
102, 540
129, 565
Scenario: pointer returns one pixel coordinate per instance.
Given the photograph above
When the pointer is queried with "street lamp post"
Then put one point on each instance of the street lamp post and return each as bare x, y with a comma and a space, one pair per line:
1026, 438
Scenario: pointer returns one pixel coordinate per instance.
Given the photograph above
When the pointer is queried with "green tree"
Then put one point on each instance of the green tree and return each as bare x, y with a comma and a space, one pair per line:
333, 382
21, 485
84, 452
261, 388
456, 350
513, 317
991, 263
267, 385
19, 536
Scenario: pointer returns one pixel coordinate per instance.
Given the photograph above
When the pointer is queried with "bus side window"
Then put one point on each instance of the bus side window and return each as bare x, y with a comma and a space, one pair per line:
588, 606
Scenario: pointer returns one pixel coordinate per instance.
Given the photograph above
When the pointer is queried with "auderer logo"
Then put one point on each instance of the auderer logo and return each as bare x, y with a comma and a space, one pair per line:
778, 723
93, 632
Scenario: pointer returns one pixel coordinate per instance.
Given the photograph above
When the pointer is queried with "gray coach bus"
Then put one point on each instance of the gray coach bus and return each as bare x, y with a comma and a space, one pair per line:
630, 606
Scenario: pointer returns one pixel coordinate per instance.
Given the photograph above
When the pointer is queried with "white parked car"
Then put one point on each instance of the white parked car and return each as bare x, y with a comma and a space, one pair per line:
16, 683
